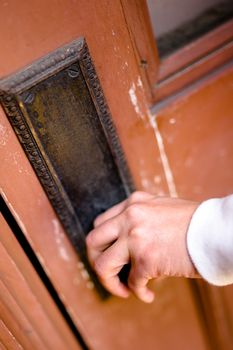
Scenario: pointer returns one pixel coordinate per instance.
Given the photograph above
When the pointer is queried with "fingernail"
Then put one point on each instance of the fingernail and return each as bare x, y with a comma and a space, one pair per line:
149, 298
126, 294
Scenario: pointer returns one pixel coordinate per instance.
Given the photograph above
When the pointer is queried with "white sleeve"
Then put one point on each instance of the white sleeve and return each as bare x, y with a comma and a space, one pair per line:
210, 240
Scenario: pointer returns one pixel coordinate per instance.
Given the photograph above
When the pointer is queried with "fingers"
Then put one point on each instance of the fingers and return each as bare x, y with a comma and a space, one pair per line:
116, 287
110, 213
137, 283
109, 264
104, 235
136, 197
107, 247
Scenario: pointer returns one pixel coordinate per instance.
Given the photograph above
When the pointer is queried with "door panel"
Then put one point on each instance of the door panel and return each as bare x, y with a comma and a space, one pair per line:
7, 340
29, 318
197, 131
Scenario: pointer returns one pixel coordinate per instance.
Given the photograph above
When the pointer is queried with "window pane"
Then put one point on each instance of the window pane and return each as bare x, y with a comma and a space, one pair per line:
177, 22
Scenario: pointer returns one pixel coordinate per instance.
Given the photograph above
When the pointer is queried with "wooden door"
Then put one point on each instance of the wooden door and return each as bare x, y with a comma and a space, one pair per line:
29, 319
176, 143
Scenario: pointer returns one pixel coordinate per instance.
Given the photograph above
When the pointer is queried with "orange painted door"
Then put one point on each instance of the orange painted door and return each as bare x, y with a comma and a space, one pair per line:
176, 143
29, 318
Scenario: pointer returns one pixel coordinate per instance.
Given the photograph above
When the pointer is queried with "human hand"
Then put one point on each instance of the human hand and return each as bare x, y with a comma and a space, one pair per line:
149, 233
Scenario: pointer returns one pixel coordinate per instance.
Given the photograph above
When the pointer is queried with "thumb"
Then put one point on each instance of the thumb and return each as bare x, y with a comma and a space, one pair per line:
137, 283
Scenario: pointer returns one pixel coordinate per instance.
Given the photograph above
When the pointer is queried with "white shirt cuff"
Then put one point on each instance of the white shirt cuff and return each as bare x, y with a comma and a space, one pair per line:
210, 240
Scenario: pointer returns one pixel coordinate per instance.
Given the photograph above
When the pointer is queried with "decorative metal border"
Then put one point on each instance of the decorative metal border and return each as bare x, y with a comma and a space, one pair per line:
21, 81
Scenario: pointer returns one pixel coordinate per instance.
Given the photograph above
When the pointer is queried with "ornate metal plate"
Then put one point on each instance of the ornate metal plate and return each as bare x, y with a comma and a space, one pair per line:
58, 111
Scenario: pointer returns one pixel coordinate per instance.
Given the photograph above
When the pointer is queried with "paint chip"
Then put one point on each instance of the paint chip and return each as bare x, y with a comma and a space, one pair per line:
163, 156
134, 100
4, 134
172, 121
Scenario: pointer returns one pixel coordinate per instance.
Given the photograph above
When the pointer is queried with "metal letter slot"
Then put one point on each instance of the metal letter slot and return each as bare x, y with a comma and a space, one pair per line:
58, 111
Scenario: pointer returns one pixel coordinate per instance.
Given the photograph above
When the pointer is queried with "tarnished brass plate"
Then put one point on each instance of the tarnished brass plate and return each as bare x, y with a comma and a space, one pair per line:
58, 111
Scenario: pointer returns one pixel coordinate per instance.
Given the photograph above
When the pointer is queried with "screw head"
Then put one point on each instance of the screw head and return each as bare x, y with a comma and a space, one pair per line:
29, 98
73, 72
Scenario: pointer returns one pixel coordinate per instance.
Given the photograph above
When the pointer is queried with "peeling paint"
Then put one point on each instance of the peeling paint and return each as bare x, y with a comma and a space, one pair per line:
139, 82
17, 161
164, 159
172, 121
85, 275
147, 184
133, 96
80, 265
83, 272
134, 100
4, 134
63, 254
59, 236
125, 65
159, 139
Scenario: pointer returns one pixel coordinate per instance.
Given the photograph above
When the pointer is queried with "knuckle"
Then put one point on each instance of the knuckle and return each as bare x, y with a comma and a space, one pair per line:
135, 196
97, 221
133, 212
89, 241
135, 233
